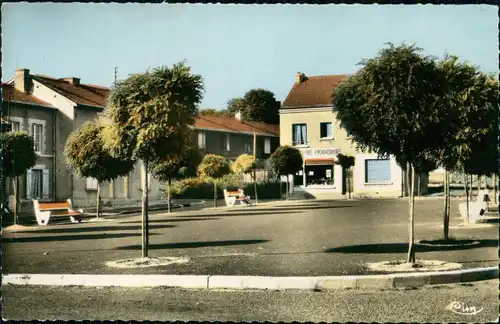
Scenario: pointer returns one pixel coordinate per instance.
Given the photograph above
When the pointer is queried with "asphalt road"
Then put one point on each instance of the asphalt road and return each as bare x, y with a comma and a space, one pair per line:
428, 304
300, 239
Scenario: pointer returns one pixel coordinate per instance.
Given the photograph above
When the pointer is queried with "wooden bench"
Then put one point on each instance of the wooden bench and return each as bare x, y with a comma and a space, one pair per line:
44, 211
232, 196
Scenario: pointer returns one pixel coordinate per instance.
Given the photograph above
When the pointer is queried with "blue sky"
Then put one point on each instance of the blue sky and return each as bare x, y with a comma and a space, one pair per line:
234, 47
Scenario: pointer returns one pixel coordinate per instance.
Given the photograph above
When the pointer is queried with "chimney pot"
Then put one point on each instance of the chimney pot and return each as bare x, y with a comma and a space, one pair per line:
72, 80
22, 80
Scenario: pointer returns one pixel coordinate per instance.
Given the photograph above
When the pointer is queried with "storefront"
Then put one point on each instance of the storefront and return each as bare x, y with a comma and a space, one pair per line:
319, 168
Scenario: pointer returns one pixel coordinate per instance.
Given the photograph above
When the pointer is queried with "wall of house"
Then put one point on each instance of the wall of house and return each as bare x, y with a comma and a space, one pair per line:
26, 115
237, 144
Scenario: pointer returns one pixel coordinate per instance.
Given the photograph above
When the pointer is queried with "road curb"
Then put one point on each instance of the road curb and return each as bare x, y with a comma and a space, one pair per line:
162, 207
388, 281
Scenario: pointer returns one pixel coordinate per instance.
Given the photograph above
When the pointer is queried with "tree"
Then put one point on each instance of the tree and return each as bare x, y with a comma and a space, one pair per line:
389, 107
18, 155
286, 160
247, 164
470, 130
258, 105
214, 167
215, 112
86, 155
346, 162
176, 166
151, 114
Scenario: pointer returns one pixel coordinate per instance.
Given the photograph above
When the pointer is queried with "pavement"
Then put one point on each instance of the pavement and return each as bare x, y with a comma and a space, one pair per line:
285, 239
430, 304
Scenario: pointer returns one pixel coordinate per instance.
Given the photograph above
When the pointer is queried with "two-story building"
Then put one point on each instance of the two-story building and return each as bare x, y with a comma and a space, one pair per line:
49, 109
308, 121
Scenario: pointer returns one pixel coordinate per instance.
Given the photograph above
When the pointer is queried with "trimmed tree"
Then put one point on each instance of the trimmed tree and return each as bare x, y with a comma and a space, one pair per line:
18, 155
214, 167
247, 164
389, 107
150, 115
346, 162
286, 160
175, 167
86, 156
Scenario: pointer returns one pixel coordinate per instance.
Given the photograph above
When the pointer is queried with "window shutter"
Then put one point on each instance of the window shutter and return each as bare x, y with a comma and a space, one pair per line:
43, 142
267, 146
228, 142
45, 184
29, 177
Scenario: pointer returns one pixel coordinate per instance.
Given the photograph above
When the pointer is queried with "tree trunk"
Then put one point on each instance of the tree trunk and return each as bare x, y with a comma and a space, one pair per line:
466, 184
255, 186
145, 221
349, 182
470, 187
286, 192
411, 247
15, 210
446, 216
418, 184
98, 204
495, 186
215, 194
169, 196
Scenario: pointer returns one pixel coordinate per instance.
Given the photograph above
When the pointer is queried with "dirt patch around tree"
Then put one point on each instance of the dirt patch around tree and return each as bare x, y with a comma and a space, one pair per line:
418, 266
449, 242
13, 228
146, 262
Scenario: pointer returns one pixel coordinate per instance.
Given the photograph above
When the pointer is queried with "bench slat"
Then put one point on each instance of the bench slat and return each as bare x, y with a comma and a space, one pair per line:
54, 206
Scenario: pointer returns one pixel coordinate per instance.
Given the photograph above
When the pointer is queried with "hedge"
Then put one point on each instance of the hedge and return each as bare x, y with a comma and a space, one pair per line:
199, 188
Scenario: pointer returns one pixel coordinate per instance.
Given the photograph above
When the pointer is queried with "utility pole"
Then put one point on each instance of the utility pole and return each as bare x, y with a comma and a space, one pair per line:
116, 74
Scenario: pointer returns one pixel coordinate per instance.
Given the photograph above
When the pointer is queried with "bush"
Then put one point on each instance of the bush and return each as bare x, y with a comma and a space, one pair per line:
202, 188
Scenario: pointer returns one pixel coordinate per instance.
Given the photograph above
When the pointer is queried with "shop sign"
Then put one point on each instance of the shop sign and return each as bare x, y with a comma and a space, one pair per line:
319, 152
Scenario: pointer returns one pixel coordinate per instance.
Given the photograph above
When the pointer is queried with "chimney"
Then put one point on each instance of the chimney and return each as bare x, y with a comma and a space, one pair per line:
299, 77
237, 115
22, 80
72, 80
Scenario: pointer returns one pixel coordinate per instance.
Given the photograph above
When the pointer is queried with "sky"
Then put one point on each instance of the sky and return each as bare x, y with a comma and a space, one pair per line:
234, 47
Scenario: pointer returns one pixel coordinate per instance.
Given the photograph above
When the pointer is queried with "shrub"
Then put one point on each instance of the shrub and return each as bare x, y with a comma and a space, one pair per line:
202, 188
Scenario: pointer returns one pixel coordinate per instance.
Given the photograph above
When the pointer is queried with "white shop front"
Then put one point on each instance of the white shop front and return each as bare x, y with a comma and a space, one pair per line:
319, 169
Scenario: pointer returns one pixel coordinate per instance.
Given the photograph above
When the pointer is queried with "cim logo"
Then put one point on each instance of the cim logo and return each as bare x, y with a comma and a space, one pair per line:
462, 309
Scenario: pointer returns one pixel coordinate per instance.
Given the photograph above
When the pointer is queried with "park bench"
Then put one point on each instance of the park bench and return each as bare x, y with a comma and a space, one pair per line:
476, 208
44, 211
232, 196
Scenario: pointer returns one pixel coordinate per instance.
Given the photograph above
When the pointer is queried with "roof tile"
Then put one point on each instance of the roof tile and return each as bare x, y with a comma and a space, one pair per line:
313, 91
9, 93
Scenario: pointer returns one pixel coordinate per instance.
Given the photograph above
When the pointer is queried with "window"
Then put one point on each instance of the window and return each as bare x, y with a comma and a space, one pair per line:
267, 146
377, 170
36, 133
37, 184
225, 141
299, 134
326, 130
248, 145
15, 126
91, 184
202, 142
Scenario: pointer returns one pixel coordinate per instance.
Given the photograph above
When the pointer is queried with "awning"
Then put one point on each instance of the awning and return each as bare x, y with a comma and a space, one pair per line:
319, 161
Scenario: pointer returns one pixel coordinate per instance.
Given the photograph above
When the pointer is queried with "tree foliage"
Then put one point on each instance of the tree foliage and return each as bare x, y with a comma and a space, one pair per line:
18, 153
86, 155
177, 166
245, 163
258, 105
214, 166
151, 112
346, 161
286, 160
215, 112
391, 105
